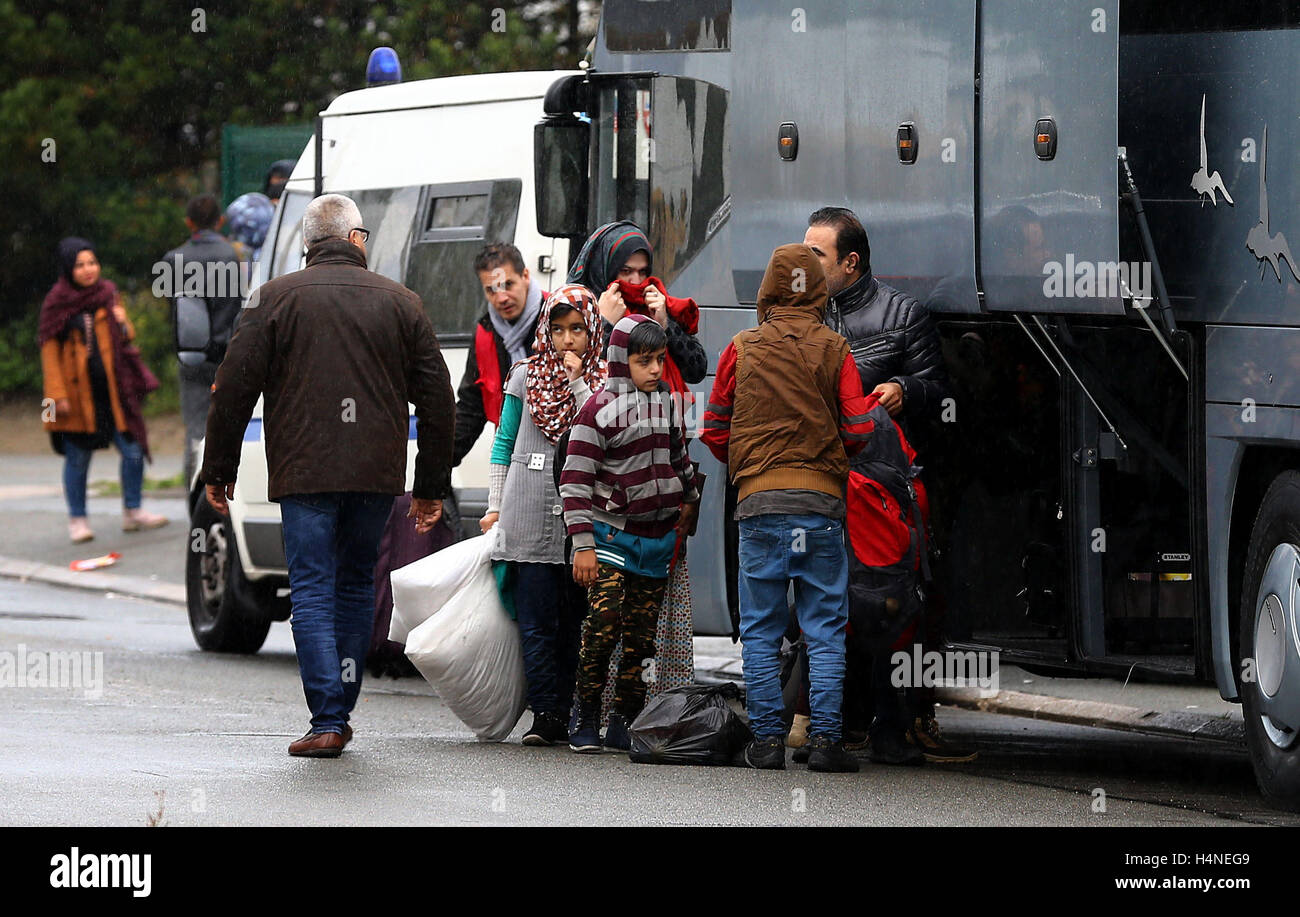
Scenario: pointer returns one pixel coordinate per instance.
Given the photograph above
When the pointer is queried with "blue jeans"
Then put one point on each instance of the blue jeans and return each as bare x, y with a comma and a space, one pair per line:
331, 541
76, 465
550, 607
776, 549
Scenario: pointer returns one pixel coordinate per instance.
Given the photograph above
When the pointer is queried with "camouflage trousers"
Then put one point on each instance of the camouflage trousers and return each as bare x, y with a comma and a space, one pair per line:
623, 605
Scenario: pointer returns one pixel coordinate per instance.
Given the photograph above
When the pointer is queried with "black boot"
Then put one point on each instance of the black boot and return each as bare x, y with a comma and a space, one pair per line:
766, 754
830, 757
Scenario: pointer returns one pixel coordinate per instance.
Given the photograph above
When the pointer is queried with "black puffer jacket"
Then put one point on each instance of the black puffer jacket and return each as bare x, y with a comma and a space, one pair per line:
893, 339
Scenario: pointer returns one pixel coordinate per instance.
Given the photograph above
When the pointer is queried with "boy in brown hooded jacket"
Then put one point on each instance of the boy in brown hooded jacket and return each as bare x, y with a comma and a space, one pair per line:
785, 414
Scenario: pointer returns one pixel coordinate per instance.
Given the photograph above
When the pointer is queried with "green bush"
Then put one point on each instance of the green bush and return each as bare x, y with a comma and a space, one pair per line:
20, 358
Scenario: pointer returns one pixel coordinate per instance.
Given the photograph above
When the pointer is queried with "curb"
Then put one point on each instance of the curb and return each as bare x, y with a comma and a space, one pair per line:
1101, 715
1096, 713
93, 581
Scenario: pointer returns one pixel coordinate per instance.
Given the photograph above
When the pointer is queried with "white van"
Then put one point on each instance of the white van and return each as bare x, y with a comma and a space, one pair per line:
438, 168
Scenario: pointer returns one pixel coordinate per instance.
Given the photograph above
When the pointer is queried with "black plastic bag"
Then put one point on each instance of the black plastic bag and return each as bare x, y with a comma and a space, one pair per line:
692, 724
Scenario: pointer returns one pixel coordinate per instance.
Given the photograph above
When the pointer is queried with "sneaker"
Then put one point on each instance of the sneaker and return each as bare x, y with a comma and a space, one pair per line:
137, 520
766, 754
798, 736
802, 753
926, 736
616, 736
831, 757
889, 747
79, 530
547, 729
585, 738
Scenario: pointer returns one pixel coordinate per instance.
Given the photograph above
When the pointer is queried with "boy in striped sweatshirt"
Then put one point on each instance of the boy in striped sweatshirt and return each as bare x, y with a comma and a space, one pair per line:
628, 488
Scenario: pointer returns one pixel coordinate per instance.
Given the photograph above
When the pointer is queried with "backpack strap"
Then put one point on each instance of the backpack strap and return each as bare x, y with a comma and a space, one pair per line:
916, 530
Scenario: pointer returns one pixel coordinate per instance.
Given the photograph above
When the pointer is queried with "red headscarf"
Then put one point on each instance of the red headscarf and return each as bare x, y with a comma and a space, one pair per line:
683, 311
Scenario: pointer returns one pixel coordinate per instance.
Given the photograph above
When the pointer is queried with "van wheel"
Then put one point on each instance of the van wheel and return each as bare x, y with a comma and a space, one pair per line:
225, 616
1269, 670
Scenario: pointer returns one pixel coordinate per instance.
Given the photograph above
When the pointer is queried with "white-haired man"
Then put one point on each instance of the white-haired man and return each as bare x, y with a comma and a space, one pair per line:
338, 352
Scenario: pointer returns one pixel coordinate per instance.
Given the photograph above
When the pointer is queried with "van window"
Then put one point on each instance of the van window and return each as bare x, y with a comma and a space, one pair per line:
458, 216
287, 256
425, 237
457, 220
390, 215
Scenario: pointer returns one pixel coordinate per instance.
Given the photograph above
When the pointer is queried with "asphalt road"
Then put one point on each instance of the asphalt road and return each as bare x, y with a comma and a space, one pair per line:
202, 738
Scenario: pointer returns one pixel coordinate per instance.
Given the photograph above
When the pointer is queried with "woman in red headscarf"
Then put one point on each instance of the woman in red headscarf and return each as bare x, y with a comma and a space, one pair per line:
615, 264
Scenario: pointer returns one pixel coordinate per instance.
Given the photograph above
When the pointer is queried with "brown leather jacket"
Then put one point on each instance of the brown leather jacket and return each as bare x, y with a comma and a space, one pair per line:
338, 351
64, 362
797, 398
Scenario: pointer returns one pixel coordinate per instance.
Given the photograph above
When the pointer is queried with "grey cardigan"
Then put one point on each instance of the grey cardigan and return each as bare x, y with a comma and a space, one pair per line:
532, 519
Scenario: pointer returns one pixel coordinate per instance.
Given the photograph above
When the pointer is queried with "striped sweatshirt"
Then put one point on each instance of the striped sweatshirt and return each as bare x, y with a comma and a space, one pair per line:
627, 464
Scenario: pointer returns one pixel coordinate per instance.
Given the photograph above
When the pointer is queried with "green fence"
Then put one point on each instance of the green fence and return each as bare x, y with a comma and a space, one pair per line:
247, 154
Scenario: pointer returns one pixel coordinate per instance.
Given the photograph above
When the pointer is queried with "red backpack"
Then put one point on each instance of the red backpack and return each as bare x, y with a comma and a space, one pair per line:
887, 517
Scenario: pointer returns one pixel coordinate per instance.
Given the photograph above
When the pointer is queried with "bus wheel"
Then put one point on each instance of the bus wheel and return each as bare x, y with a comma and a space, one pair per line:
1270, 643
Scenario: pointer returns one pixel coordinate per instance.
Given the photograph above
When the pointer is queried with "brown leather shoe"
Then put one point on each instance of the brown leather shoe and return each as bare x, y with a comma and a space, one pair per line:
318, 745
347, 733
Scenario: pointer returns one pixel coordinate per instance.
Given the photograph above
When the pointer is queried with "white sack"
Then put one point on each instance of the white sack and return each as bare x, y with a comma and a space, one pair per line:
423, 587
468, 649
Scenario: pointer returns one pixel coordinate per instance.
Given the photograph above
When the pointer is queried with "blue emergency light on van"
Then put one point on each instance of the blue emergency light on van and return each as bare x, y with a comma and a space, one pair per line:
383, 67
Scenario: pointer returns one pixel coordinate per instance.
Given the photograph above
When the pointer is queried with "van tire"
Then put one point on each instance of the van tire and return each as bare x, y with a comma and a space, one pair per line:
225, 614
1274, 756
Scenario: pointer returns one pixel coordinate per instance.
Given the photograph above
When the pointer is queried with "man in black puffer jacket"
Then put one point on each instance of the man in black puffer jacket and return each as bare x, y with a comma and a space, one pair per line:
896, 346
894, 341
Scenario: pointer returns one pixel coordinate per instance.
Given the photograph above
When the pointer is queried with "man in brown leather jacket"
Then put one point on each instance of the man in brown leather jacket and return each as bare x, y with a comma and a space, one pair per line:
338, 351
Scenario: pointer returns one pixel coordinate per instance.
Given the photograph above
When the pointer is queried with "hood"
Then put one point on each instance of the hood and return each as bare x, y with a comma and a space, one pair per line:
794, 285
620, 376
69, 249
608, 249
249, 217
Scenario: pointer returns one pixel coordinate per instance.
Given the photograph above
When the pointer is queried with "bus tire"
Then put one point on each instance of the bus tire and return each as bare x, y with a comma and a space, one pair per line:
1274, 748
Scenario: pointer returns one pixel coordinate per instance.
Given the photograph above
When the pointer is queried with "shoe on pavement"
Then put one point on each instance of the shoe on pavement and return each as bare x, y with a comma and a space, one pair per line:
585, 738
802, 753
137, 520
616, 735
318, 745
889, 747
798, 735
830, 757
766, 754
547, 729
926, 736
856, 741
79, 530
